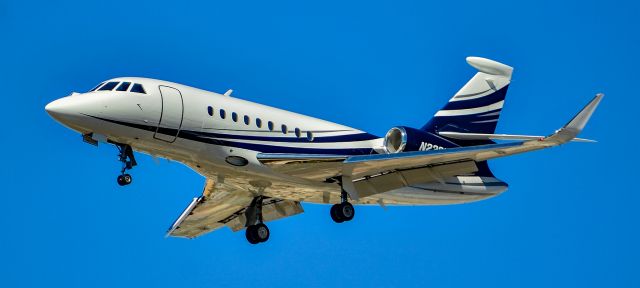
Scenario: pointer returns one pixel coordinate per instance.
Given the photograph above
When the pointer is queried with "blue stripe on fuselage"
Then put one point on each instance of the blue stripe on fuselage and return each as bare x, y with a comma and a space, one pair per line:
303, 139
265, 148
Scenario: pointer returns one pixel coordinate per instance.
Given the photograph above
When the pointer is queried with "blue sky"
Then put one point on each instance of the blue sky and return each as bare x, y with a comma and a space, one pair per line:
570, 217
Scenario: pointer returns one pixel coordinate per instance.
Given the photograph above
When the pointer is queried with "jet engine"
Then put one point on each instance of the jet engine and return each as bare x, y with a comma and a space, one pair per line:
406, 139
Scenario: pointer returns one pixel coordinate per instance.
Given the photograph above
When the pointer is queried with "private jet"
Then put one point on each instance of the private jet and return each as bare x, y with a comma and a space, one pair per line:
260, 163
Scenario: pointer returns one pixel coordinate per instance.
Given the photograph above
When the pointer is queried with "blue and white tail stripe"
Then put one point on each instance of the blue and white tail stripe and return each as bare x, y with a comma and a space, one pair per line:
476, 107
471, 111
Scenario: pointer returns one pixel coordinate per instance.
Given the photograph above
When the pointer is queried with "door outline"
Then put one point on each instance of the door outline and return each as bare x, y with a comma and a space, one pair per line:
162, 114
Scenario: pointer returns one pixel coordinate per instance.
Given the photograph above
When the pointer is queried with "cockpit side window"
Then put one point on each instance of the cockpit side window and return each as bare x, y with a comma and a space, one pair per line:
109, 86
124, 86
137, 88
94, 88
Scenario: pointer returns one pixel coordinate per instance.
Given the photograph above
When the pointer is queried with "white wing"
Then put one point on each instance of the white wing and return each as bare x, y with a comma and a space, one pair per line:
356, 168
224, 205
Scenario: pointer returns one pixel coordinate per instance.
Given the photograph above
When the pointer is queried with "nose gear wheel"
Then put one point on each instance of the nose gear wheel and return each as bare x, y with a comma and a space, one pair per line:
128, 160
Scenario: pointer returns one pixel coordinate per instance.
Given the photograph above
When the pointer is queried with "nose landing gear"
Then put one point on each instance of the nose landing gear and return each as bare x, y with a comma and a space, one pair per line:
124, 179
128, 161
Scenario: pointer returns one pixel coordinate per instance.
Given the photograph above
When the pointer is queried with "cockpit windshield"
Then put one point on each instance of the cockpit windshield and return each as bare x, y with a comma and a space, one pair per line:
109, 86
123, 86
138, 88
97, 86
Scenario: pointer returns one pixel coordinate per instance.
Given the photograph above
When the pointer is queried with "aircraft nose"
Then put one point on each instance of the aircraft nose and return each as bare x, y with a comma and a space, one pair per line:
72, 111
58, 109
68, 111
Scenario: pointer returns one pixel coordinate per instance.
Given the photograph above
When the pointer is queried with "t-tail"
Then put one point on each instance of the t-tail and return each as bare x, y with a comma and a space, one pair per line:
476, 107
474, 110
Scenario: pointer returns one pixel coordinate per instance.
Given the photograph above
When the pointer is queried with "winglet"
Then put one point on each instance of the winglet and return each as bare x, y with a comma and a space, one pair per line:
575, 126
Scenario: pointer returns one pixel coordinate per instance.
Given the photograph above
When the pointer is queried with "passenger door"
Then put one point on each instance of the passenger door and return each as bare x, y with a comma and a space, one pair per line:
171, 116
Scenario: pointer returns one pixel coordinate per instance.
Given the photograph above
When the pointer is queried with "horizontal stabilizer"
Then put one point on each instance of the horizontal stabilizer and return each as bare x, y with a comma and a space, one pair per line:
490, 67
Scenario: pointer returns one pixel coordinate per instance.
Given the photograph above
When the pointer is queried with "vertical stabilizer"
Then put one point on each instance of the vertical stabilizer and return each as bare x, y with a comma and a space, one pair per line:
476, 107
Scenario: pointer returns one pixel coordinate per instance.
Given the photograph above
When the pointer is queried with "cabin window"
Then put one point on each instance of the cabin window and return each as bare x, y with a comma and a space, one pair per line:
137, 88
109, 86
297, 131
124, 86
247, 120
270, 125
284, 129
309, 136
234, 116
210, 110
97, 86
223, 114
259, 122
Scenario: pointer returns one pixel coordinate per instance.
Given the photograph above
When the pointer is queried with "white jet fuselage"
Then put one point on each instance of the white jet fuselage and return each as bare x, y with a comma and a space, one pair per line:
215, 134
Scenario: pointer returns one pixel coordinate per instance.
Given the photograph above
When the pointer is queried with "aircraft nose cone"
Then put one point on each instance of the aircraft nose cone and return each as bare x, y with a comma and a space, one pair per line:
52, 108
71, 111
58, 109
68, 111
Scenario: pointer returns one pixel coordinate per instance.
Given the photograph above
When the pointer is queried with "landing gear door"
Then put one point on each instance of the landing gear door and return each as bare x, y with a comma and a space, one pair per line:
171, 116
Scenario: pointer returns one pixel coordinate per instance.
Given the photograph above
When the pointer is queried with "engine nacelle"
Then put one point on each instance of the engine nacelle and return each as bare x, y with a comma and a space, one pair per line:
405, 139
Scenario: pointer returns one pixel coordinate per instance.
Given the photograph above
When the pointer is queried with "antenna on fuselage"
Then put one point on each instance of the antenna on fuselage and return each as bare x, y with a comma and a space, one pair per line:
228, 93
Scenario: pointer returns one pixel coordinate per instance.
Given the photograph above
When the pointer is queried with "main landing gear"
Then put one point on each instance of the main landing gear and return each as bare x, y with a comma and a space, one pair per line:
256, 231
128, 161
342, 211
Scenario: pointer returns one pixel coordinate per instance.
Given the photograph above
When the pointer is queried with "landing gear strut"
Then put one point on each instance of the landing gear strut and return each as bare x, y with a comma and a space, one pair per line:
128, 161
256, 231
342, 211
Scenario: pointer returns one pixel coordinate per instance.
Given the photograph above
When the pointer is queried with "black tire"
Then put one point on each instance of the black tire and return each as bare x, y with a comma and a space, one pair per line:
261, 232
127, 179
335, 214
250, 234
346, 211
121, 180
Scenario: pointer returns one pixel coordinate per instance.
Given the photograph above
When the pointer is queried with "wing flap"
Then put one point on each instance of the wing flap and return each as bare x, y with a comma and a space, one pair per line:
361, 166
372, 185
